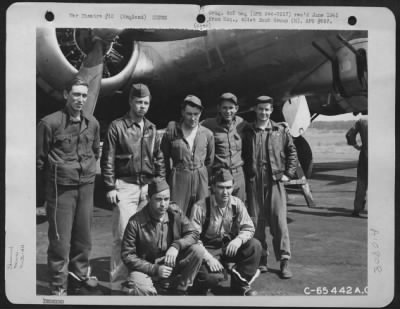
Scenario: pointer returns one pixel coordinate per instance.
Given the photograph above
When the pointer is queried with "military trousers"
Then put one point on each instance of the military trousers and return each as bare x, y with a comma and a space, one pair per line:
187, 266
69, 212
132, 197
246, 263
188, 186
268, 208
362, 183
239, 186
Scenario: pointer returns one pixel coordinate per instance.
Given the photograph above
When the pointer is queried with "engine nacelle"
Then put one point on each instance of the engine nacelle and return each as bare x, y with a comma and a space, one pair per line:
59, 55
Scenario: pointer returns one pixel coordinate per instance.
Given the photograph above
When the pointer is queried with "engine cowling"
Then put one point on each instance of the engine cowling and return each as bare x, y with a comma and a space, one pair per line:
60, 53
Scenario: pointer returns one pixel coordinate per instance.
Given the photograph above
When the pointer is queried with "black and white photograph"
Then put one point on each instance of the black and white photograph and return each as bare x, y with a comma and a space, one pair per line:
208, 161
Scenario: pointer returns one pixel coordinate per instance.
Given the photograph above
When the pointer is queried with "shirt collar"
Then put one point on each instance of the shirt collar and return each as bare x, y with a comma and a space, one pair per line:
129, 122
69, 119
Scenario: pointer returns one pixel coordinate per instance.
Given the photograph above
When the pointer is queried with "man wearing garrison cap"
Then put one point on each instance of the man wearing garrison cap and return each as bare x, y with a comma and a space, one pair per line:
270, 160
226, 231
227, 129
190, 146
160, 247
131, 157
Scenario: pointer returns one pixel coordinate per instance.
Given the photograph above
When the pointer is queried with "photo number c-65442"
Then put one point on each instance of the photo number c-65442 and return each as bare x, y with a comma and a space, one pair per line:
343, 290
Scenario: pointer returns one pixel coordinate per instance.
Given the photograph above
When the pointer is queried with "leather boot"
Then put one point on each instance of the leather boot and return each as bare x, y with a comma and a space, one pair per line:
285, 271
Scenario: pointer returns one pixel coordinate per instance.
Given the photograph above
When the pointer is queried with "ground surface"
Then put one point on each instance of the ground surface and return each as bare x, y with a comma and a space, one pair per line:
329, 247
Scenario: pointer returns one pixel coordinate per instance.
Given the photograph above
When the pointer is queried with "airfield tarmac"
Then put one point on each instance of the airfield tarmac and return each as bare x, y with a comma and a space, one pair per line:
329, 246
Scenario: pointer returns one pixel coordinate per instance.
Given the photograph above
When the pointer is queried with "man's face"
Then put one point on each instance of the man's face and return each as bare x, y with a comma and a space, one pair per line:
223, 191
228, 110
159, 203
139, 106
191, 116
76, 97
263, 111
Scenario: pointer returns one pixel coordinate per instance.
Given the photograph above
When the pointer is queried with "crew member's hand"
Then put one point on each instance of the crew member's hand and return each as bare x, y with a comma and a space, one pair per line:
233, 247
285, 178
215, 265
112, 197
164, 271
170, 256
357, 146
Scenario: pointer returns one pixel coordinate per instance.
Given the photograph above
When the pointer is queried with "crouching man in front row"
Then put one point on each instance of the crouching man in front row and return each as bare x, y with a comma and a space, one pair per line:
226, 231
160, 247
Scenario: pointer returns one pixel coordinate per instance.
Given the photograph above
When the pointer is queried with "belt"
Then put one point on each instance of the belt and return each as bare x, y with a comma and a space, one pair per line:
238, 169
191, 167
140, 179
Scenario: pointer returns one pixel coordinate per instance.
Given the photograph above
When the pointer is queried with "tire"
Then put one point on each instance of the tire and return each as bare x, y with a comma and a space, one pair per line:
304, 154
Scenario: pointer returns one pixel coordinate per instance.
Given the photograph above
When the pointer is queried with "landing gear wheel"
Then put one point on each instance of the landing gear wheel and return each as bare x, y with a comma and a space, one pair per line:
304, 154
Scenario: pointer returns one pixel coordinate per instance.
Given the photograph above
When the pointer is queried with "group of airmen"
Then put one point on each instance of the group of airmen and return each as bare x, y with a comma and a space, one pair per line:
171, 234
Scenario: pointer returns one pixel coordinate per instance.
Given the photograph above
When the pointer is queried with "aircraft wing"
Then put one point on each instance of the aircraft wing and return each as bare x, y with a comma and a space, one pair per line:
327, 68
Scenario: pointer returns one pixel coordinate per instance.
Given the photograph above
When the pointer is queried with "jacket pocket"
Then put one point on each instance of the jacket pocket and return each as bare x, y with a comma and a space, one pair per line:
65, 142
88, 144
122, 164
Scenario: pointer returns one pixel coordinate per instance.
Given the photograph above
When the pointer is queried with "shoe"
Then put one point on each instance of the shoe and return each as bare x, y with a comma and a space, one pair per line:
285, 271
263, 265
250, 292
58, 291
79, 286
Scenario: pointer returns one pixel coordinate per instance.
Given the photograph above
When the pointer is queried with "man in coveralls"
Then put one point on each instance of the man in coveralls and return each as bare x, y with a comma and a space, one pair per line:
226, 231
227, 129
131, 157
160, 247
360, 127
270, 160
191, 148
67, 147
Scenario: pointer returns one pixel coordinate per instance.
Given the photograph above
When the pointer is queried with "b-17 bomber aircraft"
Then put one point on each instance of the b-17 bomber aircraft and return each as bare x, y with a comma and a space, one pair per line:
307, 72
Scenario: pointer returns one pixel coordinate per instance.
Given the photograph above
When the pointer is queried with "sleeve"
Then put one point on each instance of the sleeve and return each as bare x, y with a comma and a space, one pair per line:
352, 133
246, 226
129, 252
158, 157
291, 155
247, 155
107, 161
210, 152
43, 145
96, 142
166, 150
197, 217
190, 234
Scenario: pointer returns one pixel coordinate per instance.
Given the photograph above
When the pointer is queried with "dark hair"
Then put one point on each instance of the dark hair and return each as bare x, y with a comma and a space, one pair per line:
76, 81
